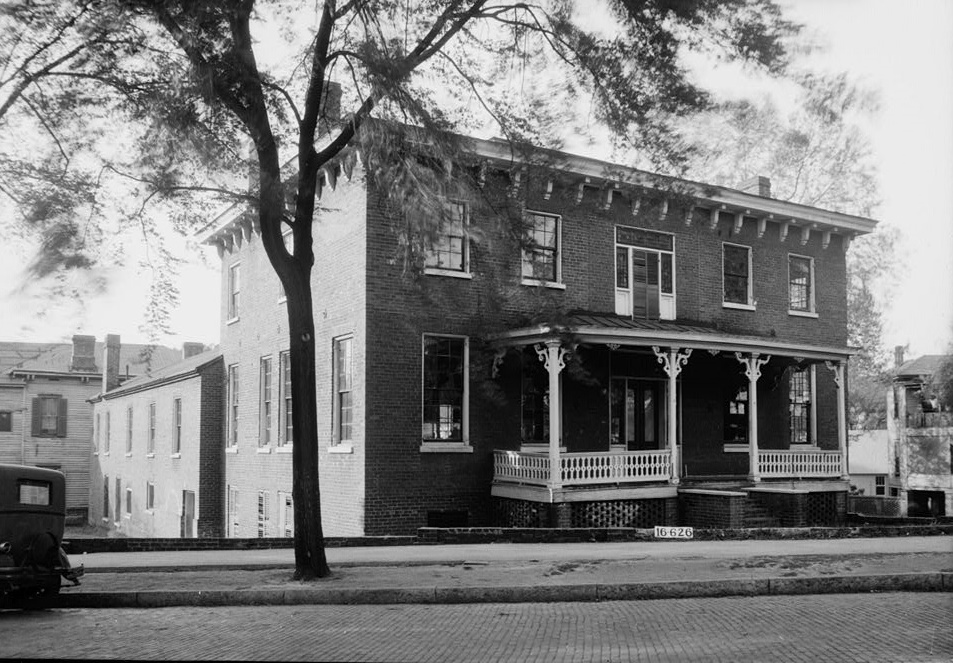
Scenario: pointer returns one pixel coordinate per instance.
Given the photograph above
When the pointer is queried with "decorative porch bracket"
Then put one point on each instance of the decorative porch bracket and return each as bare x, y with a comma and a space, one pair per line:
672, 362
838, 369
752, 365
553, 356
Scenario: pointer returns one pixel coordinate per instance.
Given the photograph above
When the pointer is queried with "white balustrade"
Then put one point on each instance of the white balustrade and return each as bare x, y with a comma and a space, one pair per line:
583, 469
788, 464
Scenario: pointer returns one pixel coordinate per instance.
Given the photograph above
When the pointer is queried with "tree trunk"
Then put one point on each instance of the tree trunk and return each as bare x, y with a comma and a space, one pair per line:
310, 559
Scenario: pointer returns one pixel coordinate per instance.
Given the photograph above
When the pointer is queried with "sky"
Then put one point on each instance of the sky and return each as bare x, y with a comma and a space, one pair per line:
903, 50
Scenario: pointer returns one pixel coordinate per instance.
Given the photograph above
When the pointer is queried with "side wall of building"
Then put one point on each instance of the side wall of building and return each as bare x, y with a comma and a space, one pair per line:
134, 468
258, 474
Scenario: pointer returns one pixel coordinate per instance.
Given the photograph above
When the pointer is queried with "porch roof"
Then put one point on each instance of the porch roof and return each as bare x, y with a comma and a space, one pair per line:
592, 328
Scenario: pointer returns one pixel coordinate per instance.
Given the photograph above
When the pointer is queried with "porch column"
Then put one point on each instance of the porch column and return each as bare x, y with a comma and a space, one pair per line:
753, 366
553, 357
838, 369
672, 362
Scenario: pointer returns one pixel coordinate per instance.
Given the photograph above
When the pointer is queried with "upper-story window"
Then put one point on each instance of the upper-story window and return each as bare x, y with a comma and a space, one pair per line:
232, 425
176, 426
450, 251
49, 416
343, 415
151, 444
234, 288
129, 430
541, 248
285, 430
264, 402
644, 274
800, 285
736, 271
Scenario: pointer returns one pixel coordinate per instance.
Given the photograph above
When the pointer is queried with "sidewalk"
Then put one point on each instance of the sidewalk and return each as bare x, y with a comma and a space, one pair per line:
515, 572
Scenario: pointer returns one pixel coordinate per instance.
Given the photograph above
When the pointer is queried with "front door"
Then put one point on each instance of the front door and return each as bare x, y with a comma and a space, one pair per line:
188, 513
636, 414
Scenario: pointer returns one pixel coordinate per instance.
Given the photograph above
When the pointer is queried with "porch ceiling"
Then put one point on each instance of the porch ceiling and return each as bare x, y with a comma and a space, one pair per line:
611, 329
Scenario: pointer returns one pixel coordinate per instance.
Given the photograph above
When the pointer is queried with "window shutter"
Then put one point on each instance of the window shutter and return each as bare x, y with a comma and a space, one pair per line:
37, 416
61, 419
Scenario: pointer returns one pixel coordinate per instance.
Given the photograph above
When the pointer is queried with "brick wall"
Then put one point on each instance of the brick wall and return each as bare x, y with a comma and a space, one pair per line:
708, 509
211, 516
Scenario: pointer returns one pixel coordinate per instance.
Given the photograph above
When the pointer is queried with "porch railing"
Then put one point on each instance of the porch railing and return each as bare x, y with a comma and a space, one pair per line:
788, 464
583, 469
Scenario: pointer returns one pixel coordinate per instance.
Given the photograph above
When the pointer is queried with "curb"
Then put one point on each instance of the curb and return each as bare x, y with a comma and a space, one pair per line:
906, 582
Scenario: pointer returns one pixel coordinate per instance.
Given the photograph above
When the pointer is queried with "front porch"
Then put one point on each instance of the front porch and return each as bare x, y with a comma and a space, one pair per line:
682, 437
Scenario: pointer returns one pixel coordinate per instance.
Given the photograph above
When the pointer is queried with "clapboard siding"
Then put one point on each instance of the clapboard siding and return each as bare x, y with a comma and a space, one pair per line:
71, 452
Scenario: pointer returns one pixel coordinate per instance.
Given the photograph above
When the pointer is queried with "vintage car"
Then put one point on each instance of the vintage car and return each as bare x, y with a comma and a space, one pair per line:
32, 520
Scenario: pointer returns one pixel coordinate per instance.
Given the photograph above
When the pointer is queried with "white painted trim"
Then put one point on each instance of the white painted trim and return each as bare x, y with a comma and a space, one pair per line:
446, 447
341, 448
545, 284
803, 314
740, 307
452, 273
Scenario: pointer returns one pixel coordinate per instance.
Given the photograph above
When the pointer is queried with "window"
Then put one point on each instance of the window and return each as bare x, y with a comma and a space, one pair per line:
106, 436
118, 510
800, 284
97, 432
736, 417
799, 400
286, 516
644, 274
880, 485
6, 421
128, 501
264, 403
450, 249
129, 431
234, 529
534, 399
285, 436
540, 249
151, 449
234, 288
49, 416
343, 391
176, 426
444, 389
105, 497
736, 263
264, 514
150, 496
233, 406
34, 492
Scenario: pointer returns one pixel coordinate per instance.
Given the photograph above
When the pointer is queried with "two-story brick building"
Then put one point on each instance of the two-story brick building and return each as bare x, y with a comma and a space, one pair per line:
157, 449
585, 345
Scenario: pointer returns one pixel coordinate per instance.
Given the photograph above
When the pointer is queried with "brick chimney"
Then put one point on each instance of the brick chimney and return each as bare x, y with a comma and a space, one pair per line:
898, 352
111, 362
758, 185
84, 354
330, 115
190, 349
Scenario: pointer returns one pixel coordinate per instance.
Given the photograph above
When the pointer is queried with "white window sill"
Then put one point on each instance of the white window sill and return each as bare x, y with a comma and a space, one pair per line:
341, 448
128, 454
445, 447
264, 450
151, 512
453, 273
546, 284
95, 453
176, 455
804, 447
232, 321
283, 299
105, 453
803, 314
106, 520
150, 455
284, 449
736, 448
740, 307
231, 450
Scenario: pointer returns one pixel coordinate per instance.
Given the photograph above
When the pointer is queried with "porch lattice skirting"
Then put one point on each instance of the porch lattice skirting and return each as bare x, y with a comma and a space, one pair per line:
640, 514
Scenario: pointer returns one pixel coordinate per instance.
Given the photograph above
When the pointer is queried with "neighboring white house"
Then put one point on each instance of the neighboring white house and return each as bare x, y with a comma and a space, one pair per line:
869, 462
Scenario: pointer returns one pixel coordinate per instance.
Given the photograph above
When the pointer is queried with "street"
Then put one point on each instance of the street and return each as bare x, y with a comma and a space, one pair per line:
841, 627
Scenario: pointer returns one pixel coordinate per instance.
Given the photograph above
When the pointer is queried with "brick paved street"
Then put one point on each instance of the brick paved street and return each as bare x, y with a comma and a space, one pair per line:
882, 627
